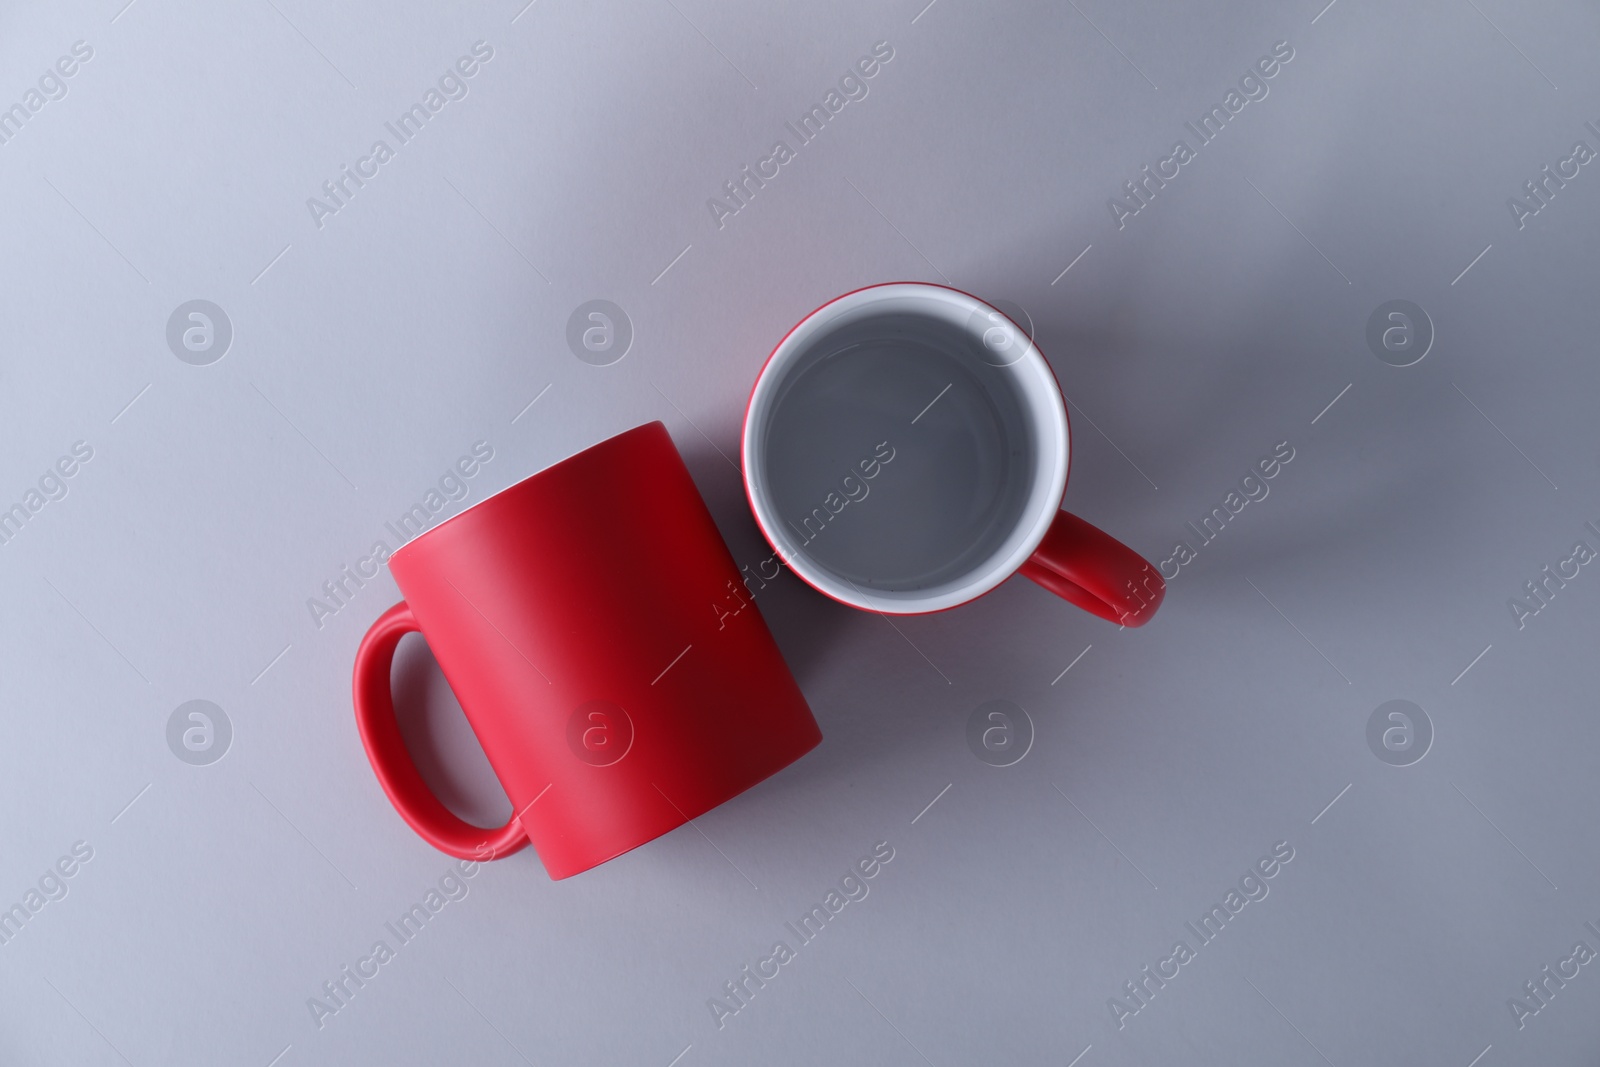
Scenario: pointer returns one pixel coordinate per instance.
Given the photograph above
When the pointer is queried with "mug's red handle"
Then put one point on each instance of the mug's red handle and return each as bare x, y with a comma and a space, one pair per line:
1095, 571
386, 750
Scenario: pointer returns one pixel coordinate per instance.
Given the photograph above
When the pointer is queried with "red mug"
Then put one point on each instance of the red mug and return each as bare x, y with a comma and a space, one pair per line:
906, 450
575, 617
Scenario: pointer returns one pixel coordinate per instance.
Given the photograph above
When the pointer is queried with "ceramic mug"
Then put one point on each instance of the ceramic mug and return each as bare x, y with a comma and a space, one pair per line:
574, 616
906, 449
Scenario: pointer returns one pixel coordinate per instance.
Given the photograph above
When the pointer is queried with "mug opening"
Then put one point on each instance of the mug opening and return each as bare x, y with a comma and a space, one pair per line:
941, 384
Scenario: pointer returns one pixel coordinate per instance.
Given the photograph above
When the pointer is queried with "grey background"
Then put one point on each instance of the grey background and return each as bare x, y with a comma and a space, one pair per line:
1225, 317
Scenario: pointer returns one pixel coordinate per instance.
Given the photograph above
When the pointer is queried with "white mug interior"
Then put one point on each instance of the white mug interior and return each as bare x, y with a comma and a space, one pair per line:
906, 448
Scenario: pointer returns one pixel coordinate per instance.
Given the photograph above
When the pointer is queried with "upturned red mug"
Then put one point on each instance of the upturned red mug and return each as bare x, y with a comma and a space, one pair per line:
574, 616
906, 449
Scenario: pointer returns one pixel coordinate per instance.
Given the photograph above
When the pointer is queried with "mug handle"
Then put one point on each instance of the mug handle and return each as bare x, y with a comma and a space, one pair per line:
386, 750
1095, 571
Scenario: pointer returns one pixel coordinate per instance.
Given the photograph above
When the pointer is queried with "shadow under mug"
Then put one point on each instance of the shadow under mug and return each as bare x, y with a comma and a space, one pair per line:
577, 617
906, 449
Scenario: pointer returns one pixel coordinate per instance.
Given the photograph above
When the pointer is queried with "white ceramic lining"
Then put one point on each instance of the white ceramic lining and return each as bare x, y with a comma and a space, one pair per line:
1037, 391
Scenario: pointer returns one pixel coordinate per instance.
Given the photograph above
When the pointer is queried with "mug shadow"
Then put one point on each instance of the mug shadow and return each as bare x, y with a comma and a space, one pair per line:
1185, 402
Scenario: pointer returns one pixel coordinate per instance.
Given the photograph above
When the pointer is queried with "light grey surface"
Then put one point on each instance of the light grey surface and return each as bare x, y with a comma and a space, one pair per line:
429, 312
